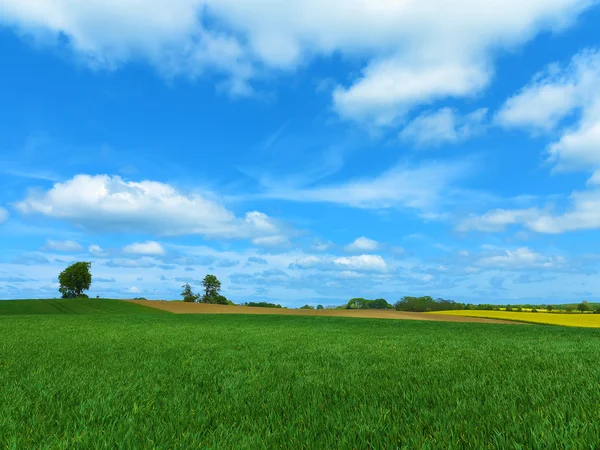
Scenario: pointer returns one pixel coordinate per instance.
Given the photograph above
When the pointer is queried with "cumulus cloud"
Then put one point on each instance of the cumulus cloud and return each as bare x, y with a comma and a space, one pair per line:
362, 244
167, 34
149, 248
443, 126
109, 203
558, 93
415, 52
367, 263
62, 246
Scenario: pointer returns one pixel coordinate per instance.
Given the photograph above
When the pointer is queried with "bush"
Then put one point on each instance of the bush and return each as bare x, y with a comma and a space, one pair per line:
82, 296
320, 307
508, 308
421, 304
534, 310
597, 311
307, 307
261, 305
520, 309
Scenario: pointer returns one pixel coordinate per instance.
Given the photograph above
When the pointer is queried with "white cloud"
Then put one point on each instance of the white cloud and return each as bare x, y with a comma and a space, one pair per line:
390, 88
443, 126
583, 213
167, 34
497, 220
362, 244
556, 94
149, 248
96, 250
520, 258
270, 241
3, 215
415, 51
63, 246
109, 203
133, 290
422, 188
366, 263
320, 246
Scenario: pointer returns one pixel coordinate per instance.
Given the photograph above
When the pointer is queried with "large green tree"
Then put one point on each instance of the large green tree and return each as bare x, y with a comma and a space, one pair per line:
75, 279
211, 286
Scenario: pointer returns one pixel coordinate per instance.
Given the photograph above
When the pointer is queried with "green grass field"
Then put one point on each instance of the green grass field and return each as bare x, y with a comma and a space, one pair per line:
78, 306
169, 381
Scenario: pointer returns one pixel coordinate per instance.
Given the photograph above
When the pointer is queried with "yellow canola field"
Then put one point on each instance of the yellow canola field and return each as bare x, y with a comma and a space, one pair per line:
569, 320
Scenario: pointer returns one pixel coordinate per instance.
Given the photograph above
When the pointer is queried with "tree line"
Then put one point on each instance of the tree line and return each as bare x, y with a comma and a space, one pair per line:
77, 278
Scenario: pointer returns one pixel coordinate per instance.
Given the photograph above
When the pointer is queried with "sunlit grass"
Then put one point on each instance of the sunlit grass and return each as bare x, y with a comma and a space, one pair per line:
574, 319
253, 382
73, 306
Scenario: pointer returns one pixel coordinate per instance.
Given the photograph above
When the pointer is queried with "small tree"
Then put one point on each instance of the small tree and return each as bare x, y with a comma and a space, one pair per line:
549, 308
75, 279
211, 286
188, 295
584, 306
320, 307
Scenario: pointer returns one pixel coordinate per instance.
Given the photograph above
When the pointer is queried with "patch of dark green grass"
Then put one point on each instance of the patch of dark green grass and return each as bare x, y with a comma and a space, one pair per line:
74, 306
257, 382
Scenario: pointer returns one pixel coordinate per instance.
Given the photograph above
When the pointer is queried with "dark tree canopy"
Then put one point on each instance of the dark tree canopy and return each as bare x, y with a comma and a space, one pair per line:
75, 279
212, 286
188, 295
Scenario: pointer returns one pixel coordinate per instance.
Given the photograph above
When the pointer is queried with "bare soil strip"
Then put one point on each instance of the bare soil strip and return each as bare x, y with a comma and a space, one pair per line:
200, 308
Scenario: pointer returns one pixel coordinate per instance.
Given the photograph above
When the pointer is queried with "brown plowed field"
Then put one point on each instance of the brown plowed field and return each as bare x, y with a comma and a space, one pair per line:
200, 308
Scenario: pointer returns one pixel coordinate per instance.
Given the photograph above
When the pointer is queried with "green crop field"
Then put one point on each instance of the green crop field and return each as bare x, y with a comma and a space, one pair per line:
253, 382
78, 306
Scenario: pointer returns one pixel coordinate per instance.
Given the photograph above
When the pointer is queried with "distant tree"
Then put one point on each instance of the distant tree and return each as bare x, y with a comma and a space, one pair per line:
188, 295
569, 309
357, 303
211, 286
379, 303
549, 308
520, 308
262, 305
220, 300
320, 307
584, 306
75, 279
307, 307
534, 310
508, 308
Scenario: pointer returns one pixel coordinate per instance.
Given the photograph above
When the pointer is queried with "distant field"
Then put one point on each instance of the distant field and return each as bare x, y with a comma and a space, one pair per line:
252, 382
201, 308
569, 320
73, 306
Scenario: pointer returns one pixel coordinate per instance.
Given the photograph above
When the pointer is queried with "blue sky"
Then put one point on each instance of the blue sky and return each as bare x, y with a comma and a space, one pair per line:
303, 151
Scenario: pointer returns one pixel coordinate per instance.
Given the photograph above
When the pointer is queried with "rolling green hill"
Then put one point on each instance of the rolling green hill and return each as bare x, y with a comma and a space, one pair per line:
73, 306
